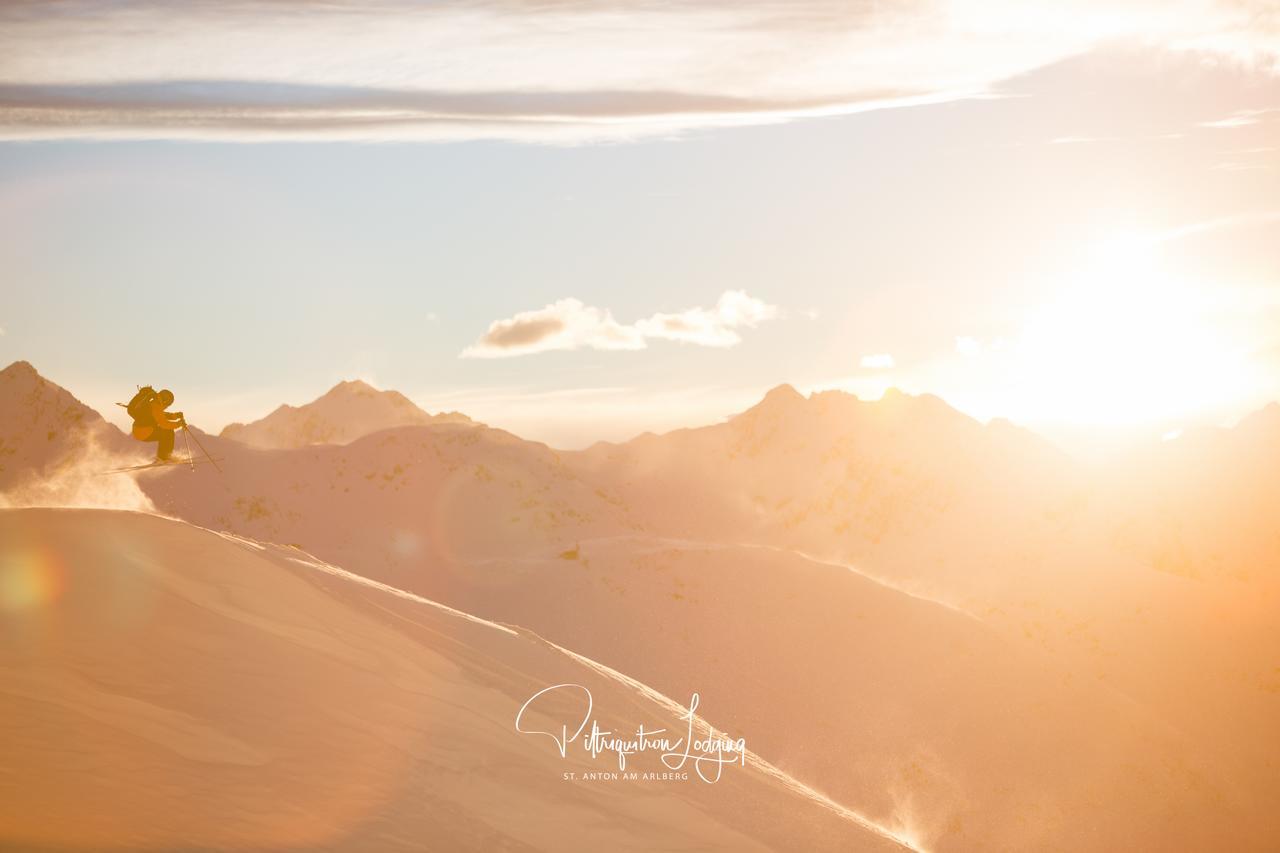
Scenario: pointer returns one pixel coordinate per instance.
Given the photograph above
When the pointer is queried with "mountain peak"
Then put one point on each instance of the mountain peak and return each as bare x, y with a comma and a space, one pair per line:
42, 424
783, 394
19, 368
349, 410
780, 399
353, 386
922, 409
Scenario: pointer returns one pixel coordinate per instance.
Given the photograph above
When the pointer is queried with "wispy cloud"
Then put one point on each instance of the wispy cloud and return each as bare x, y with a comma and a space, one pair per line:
714, 327
1241, 118
542, 71
1086, 140
878, 361
1231, 166
570, 324
1243, 220
566, 324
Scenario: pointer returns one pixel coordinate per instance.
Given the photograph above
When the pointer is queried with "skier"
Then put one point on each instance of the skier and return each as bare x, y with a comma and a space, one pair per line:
152, 423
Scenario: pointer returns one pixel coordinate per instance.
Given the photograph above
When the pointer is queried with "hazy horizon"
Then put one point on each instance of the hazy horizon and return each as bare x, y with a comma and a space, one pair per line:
1085, 444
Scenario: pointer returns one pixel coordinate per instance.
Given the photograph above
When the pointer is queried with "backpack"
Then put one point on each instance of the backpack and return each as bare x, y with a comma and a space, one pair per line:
139, 407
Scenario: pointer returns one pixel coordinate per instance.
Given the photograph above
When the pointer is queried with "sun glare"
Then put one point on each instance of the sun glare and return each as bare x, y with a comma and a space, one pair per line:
1125, 341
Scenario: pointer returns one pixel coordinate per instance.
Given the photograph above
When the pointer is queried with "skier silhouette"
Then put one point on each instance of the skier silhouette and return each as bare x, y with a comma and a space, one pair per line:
152, 423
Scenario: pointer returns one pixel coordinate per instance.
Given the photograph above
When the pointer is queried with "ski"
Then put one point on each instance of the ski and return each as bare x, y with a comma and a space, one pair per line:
165, 464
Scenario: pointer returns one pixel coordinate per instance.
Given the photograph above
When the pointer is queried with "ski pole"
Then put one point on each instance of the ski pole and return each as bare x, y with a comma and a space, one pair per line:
201, 446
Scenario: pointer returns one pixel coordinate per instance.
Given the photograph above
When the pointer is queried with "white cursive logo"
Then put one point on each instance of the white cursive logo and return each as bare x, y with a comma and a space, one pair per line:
708, 755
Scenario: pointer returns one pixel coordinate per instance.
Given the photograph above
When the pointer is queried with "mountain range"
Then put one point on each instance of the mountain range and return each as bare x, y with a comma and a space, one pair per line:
947, 626
346, 412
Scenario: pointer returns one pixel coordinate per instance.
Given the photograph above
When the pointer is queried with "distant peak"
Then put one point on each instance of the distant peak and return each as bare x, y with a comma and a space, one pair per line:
833, 394
783, 393
925, 402
928, 408
349, 388
781, 399
358, 386
19, 368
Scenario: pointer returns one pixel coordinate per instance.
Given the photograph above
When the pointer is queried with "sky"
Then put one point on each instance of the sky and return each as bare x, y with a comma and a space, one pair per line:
583, 222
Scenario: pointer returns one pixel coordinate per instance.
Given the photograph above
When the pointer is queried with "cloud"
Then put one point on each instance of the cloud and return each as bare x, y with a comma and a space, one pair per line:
1088, 140
1230, 166
558, 72
710, 328
966, 345
1241, 118
878, 361
1252, 219
569, 324
564, 325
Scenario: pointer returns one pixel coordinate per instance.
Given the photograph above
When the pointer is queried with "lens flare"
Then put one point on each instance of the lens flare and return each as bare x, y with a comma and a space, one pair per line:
29, 579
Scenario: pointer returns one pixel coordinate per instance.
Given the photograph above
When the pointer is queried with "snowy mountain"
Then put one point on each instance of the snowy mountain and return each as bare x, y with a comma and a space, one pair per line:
866, 482
43, 427
346, 412
944, 625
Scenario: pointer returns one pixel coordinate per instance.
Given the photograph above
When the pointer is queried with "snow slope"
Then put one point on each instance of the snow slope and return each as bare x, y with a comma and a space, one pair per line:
165, 686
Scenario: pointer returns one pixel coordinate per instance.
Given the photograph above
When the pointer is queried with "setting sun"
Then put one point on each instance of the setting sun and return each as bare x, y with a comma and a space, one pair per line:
1125, 341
